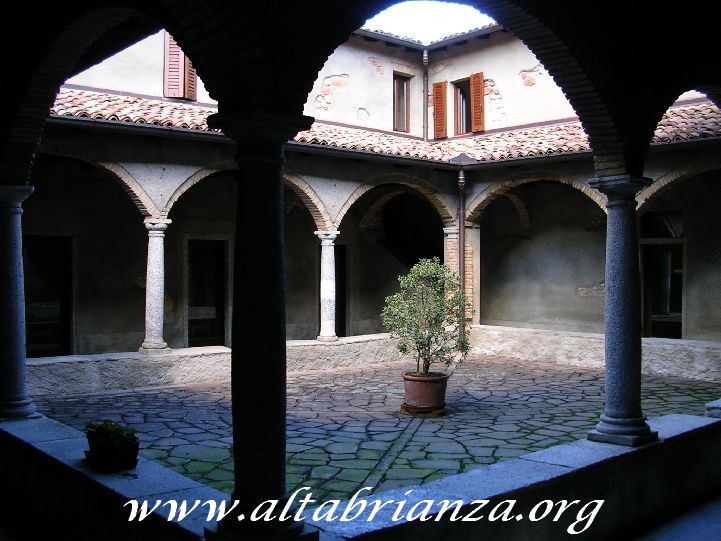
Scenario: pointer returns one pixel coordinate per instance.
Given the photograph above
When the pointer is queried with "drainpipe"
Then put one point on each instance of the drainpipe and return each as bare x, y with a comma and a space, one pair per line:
425, 94
461, 161
462, 239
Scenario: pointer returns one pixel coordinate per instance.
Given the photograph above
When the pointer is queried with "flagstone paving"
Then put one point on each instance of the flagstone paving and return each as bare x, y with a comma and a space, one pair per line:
345, 431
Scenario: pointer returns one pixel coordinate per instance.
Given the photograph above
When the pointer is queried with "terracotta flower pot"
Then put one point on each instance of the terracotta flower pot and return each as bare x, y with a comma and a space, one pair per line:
109, 457
425, 394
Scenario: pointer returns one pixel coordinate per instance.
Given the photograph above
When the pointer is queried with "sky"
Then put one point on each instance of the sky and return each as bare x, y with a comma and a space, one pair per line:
427, 21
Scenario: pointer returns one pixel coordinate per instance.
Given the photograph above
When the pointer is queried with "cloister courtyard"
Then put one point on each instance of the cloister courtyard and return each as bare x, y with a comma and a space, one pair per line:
345, 431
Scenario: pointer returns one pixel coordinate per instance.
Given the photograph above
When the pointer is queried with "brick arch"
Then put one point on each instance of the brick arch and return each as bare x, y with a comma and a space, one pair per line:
486, 197
140, 198
300, 187
425, 189
62, 51
674, 177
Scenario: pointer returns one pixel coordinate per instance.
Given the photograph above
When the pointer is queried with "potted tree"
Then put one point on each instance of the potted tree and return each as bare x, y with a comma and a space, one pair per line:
113, 446
425, 317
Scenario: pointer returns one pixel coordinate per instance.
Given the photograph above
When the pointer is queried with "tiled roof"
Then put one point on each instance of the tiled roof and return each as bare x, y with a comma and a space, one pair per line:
680, 123
464, 33
382, 33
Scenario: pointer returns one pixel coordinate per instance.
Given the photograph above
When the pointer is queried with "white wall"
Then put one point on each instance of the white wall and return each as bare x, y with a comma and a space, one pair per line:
522, 96
355, 86
137, 69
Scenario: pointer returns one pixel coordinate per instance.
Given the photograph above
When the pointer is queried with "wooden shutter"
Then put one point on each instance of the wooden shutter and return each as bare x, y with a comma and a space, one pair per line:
179, 77
478, 98
439, 110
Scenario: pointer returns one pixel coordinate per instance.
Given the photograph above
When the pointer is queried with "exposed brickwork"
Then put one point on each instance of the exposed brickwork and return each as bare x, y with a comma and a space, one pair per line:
452, 263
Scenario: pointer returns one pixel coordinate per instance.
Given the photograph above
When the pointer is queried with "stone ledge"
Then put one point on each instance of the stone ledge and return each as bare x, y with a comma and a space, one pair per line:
55, 490
640, 487
694, 359
82, 374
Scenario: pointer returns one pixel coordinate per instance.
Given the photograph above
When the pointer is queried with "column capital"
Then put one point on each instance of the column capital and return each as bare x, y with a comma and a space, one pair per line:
327, 237
258, 126
12, 196
622, 186
157, 224
450, 231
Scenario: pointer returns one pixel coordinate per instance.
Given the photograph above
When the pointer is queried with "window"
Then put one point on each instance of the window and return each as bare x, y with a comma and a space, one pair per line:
469, 100
179, 77
462, 98
401, 102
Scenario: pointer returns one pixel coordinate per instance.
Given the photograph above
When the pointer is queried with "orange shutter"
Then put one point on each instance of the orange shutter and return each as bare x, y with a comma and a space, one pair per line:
477, 103
179, 77
191, 81
439, 110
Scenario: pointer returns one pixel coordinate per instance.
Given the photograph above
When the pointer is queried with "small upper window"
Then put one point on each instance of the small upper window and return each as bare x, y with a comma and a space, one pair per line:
401, 102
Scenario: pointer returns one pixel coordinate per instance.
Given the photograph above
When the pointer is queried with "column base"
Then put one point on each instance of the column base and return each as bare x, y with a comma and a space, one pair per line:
322, 338
713, 409
629, 432
154, 347
295, 531
18, 409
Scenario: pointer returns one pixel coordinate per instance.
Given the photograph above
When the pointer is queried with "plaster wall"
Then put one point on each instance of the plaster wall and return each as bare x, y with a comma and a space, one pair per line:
137, 69
519, 90
355, 86
549, 275
109, 251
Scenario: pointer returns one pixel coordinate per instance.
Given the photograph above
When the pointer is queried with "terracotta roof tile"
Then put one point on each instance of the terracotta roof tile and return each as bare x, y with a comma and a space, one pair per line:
680, 123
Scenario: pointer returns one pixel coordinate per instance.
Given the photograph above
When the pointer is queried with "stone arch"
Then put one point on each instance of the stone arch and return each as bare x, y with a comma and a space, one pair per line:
193, 179
300, 187
427, 190
672, 178
487, 196
142, 201
312, 202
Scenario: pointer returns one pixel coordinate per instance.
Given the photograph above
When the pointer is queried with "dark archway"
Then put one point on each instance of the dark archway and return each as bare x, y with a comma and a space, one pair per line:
393, 227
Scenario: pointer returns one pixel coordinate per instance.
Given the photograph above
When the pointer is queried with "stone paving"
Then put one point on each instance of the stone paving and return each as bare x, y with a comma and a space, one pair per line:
345, 431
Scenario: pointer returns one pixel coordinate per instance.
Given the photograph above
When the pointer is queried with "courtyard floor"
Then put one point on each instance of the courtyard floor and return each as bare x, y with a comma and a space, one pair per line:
345, 431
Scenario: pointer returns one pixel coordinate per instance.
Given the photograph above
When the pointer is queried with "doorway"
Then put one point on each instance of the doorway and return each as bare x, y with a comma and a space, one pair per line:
48, 295
207, 299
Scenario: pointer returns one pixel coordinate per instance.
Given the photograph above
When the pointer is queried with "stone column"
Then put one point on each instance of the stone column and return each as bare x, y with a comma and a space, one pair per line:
14, 399
258, 370
155, 287
327, 285
622, 421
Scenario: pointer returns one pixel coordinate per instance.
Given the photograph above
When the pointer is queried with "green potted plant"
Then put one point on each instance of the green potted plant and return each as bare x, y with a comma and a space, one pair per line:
112, 446
426, 317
